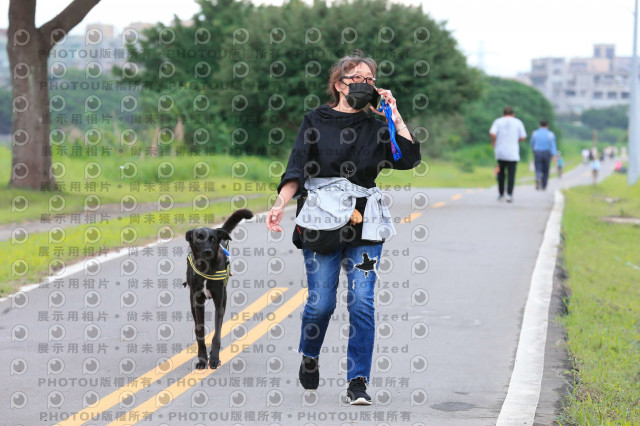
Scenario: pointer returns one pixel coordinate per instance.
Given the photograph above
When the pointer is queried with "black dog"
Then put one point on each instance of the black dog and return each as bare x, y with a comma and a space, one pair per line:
207, 275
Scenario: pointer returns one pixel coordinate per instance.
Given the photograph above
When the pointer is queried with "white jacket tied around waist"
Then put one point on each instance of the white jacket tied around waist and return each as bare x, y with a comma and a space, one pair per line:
331, 202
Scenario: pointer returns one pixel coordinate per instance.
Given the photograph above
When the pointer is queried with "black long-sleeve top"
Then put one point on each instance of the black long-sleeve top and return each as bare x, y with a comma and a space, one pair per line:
355, 146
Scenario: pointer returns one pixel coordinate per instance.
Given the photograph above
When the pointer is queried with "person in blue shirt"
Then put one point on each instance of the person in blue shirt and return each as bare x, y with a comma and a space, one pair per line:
543, 144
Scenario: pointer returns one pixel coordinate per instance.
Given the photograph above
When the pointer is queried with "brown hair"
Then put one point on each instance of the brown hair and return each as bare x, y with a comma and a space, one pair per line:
507, 110
339, 69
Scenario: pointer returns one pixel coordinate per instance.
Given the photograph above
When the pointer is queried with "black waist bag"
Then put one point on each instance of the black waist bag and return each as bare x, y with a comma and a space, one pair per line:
322, 242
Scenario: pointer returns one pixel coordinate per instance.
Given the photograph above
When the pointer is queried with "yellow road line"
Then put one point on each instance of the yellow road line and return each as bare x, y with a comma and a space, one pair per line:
411, 217
456, 196
439, 204
168, 366
167, 395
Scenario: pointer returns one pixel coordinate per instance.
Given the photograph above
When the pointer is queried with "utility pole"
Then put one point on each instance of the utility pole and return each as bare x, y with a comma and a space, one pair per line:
634, 142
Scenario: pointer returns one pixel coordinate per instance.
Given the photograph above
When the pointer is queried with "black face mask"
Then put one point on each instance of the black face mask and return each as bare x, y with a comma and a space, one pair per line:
361, 94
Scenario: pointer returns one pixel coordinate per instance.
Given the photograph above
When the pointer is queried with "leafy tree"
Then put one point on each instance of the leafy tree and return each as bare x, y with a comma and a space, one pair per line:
274, 65
615, 116
178, 65
92, 98
97, 108
529, 105
575, 131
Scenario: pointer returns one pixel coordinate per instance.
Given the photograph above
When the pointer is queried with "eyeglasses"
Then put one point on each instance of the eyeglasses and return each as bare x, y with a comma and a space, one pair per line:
359, 79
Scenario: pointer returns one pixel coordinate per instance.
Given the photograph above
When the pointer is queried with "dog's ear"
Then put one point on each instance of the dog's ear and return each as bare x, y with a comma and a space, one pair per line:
189, 235
224, 235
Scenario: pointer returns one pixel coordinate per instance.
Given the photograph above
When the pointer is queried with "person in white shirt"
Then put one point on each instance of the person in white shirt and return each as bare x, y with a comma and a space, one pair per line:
506, 133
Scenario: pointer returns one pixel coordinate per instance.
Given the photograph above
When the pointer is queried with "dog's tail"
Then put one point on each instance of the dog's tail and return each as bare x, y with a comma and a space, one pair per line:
235, 218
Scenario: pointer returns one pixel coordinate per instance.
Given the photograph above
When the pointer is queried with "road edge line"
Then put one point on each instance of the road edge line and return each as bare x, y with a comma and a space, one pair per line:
523, 394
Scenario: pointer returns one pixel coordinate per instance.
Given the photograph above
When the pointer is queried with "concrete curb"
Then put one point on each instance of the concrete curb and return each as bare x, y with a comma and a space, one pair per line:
520, 405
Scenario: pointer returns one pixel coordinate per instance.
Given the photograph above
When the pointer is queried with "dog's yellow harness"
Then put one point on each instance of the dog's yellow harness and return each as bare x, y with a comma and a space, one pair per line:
222, 274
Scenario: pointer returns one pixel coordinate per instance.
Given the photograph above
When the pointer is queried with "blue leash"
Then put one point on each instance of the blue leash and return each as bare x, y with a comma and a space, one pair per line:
395, 149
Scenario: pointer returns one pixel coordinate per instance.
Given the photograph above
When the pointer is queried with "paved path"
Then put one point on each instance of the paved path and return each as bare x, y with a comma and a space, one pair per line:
450, 297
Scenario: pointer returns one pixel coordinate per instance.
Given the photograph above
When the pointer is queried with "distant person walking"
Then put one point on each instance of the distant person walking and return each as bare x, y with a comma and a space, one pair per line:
594, 164
560, 163
543, 144
506, 132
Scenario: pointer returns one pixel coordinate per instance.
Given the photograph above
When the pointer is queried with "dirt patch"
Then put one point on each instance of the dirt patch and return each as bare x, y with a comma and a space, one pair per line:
625, 220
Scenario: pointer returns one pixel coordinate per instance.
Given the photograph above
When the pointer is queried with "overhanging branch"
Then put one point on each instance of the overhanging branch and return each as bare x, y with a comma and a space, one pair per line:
66, 20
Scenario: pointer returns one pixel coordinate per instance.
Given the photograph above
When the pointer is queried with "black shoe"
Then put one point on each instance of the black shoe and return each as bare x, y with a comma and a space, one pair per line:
309, 373
357, 392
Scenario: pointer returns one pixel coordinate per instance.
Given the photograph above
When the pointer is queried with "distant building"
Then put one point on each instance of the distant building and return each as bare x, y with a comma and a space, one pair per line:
139, 26
107, 30
100, 44
573, 85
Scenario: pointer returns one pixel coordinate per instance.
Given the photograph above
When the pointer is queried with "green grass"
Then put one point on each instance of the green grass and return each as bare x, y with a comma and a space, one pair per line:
38, 253
450, 174
147, 186
34, 257
603, 320
438, 174
261, 178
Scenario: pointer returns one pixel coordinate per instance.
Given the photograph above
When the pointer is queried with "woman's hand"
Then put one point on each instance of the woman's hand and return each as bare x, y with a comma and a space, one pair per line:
395, 115
356, 217
391, 101
273, 219
275, 214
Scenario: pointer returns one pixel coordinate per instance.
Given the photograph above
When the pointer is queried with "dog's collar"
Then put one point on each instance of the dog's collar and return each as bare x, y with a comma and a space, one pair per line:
222, 274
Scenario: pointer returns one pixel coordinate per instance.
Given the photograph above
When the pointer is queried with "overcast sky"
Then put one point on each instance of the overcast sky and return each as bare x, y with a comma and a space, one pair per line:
509, 32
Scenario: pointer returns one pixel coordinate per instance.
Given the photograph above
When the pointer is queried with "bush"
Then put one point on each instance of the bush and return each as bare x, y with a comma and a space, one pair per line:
479, 155
466, 166
615, 116
613, 135
575, 131
446, 133
529, 104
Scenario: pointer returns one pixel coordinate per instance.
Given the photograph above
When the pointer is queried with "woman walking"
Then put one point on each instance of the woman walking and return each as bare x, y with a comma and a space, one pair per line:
342, 220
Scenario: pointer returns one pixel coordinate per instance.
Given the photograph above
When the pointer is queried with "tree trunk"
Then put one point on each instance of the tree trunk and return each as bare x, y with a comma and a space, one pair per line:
28, 48
31, 163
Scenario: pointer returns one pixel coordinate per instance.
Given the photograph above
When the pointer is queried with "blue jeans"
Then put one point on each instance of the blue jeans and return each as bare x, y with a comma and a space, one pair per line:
361, 265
